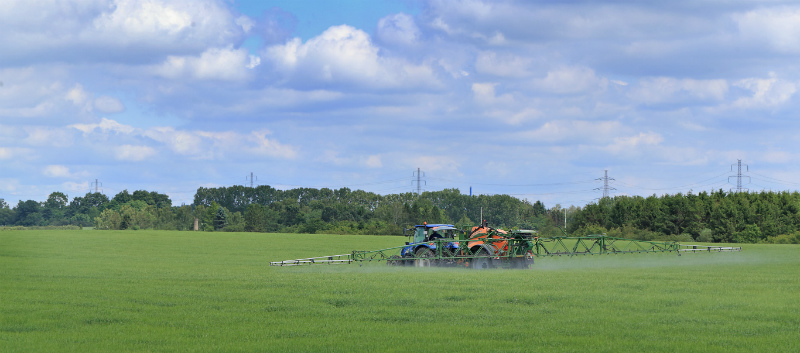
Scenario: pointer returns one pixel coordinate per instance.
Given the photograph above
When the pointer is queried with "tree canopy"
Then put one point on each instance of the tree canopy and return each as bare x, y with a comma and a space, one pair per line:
711, 217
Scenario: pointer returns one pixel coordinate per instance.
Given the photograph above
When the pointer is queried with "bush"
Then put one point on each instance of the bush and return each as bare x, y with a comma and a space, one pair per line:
706, 236
793, 238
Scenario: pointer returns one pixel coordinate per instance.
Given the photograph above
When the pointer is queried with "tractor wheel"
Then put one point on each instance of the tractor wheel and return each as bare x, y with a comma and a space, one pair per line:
395, 260
424, 258
481, 261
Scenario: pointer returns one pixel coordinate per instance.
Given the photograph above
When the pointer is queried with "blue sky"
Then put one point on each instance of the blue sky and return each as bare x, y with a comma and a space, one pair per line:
530, 98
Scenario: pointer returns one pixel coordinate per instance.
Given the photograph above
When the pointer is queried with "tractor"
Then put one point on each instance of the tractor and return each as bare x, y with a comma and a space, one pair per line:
422, 250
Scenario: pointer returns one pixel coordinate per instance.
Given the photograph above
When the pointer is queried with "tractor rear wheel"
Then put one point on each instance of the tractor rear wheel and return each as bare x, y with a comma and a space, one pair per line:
395, 260
481, 261
424, 257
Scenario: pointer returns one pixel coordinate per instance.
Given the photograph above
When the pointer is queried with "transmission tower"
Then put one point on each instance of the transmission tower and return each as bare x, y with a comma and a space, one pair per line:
97, 186
419, 174
252, 179
739, 175
605, 180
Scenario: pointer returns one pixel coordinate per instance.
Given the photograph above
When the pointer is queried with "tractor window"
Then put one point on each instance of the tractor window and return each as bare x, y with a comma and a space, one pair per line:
419, 234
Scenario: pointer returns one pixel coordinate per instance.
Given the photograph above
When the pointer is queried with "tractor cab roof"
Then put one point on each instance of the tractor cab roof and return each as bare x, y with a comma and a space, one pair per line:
438, 226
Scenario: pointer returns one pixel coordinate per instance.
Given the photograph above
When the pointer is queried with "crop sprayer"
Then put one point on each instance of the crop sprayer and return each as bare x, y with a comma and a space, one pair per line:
483, 247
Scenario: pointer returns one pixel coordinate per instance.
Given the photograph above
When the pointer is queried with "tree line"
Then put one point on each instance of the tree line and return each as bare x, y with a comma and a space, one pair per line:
709, 217
719, 216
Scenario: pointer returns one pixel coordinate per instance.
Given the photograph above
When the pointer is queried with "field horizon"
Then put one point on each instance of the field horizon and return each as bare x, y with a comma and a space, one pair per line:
170, 291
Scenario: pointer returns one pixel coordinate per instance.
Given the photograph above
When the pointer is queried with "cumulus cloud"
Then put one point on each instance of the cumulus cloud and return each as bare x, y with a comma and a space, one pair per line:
57, 171
261, 145
133, 153
215, 63
515, 117
629, 144
778, 27
181, 142
214, 145
573, 131
105, 126
121, 29
766, 92
398, 29
570, 80
484, 93
343, 55
108, 105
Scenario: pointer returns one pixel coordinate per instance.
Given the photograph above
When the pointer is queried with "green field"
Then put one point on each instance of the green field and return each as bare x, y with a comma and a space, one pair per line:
158, 291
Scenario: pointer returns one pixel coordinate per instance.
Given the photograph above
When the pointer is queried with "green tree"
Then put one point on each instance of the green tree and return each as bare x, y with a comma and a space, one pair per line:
28, 213
220, 219
55, 207
7, 215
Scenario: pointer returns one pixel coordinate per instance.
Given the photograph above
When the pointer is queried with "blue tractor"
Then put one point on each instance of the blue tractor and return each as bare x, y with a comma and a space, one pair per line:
421, 251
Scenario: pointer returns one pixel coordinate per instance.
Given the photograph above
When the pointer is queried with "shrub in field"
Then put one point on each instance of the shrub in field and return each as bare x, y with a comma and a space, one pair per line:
792, 238
706, 235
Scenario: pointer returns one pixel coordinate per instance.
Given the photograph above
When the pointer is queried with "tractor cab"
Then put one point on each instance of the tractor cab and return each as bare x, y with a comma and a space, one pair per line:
426, 236
429, 232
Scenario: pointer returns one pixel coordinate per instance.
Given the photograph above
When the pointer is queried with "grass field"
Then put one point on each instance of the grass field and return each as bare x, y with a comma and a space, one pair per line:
157, 291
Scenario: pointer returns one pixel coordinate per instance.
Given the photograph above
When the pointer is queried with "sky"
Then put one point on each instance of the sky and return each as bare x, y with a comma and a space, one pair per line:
535, 99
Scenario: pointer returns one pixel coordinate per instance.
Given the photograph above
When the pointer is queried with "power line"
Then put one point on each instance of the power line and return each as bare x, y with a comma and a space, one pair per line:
516, 185
673, 187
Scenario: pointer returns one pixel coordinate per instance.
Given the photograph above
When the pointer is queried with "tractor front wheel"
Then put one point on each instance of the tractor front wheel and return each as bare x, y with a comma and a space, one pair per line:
481, 261
424, 258
395, 260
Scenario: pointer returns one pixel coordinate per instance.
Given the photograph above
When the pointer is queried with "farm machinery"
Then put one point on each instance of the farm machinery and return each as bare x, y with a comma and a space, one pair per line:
484, 247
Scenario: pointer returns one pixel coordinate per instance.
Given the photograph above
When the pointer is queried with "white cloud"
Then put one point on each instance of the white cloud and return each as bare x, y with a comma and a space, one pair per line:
570, 80
77, 95
577, 131
57, 171
778, 26
504, 65
73, 187
632, 144
484, 93
124, 30
105, 126
245, 22
767, 93
108, 105
181, 142
215, 64
262, 145
134, 153
15, 152
216, 145
343, 55
399, 29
